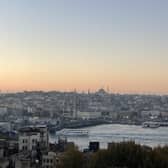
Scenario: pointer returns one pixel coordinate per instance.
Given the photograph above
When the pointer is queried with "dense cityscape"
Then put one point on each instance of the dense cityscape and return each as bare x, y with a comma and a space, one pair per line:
59, 106
28, 118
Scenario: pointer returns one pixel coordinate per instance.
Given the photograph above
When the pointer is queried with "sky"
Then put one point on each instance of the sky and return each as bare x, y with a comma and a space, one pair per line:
84, 44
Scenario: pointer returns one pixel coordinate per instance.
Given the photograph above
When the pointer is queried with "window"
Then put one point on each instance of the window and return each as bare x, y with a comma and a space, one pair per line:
24, 147
34, 140
33, 147
24, 141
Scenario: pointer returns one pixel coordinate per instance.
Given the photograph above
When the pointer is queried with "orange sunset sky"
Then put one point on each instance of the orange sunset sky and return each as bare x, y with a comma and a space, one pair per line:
76, 44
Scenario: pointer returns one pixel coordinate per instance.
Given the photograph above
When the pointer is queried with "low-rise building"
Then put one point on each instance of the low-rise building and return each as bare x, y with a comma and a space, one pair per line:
22, 161
49, 160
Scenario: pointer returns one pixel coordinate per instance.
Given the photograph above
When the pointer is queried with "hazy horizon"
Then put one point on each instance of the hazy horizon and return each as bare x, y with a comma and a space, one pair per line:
91, 44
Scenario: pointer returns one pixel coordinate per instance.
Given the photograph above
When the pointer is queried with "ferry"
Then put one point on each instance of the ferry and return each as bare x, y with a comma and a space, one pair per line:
73, 132
150, 125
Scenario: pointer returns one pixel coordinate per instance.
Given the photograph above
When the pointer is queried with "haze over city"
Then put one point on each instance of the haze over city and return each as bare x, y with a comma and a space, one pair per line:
75, 44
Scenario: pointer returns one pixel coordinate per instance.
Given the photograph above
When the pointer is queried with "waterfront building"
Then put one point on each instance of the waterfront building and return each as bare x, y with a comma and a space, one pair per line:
89, 115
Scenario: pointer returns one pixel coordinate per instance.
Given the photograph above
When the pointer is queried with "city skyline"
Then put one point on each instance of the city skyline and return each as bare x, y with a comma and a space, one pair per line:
91, 44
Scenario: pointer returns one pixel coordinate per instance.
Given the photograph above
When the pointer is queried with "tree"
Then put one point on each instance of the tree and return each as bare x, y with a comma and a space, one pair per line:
72, 159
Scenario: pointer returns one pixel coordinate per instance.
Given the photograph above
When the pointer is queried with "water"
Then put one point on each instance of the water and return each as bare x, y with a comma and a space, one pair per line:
117, 133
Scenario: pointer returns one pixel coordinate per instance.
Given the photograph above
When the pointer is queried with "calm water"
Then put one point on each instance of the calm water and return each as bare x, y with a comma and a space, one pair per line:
116, 133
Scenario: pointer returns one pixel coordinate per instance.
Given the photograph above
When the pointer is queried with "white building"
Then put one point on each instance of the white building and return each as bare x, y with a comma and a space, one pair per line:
31, 137
49, 160
88, 115
28, 141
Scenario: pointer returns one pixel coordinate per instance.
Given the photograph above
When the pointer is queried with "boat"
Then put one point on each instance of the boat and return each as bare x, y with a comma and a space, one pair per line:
150, 125
73, 132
